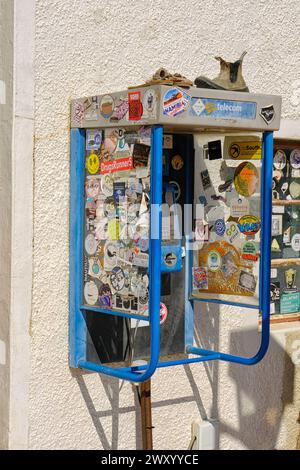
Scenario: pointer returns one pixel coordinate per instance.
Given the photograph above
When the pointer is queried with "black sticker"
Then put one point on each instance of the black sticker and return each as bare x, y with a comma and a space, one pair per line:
215, 150
140, 155
268, 113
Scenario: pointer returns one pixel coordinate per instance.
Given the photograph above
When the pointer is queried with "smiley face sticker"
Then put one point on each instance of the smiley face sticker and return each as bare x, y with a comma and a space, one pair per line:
93, 164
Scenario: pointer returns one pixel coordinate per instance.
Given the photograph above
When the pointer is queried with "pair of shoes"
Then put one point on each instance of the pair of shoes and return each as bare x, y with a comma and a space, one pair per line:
230, 77
163, 77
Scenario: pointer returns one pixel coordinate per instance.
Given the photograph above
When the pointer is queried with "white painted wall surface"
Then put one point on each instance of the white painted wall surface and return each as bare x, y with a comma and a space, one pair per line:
86, 48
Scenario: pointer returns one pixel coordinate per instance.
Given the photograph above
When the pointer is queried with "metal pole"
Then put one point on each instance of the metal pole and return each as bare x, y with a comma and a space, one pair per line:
146, 415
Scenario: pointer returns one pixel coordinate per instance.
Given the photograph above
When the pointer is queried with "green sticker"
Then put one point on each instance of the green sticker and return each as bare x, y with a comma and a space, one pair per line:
289, 303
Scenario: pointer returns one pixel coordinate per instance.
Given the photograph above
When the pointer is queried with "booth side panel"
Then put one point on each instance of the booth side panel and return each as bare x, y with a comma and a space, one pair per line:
77, 325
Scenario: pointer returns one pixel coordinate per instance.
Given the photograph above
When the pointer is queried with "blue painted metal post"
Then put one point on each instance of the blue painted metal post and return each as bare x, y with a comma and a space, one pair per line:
77, 329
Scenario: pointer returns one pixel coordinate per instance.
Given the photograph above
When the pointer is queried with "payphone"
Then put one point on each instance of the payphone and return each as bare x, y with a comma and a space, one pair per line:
170, 207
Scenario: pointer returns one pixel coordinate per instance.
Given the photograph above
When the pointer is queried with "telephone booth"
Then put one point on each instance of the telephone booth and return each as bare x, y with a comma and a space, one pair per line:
171, 202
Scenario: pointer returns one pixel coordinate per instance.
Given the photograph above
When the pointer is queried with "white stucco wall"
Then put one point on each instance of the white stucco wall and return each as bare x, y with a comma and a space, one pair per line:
91, 47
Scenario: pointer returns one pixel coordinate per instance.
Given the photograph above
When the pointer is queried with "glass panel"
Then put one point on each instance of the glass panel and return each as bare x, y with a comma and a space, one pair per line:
117, 218
227, 219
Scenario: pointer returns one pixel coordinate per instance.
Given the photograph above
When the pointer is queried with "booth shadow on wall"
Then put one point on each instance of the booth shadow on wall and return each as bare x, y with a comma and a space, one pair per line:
259, 398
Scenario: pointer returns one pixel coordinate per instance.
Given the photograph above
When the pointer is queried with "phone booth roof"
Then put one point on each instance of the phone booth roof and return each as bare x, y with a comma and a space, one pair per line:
180, 109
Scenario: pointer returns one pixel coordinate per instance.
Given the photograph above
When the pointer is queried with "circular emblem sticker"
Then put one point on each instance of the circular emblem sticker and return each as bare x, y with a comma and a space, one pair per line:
107, 106
246, 179
90, 293
295, 190
214, 261
220, 227
117, 278
249, 225
295, 158
170, 260
296, 242
90, 244
279, 160
163, 313
177, 162
93, 164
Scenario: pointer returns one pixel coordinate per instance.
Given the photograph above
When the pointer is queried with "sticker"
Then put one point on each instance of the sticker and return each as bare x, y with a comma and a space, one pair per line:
90, 293
276, 225
239, 207
175, 102
149, 104
284, 187
201, 231
246, 179
107, 185
141, 260
113, 229
275, 246
121, 109
135, 106
140, 155
168, 141
105, 296
111, 253
107, 106
92, 163
275, 291
296, 242
220, 227
249, 251
90, 244
228, 265
214, 213
118, 190
295, 190
290, 280
223, 109
247, 281
242, 148
295, 158
93, 139
268, 113
163, 313
279, 160
177, 162
176, 190
200, 280
289, 303
278, 209
117, 278
214, 261
108, 147
122, 164
143, 243
170, 259
277, 175
92, 187
232, 232
94, 267
205, 178
249, 225
215, 150
273, 273
287, 236
78, 113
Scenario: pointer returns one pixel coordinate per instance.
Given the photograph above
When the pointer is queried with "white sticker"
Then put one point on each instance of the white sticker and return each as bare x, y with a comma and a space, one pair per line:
278, 209
272, 308
168, 141
276, 225
90, 293
90, 244
2, 92
198, 107
273, 273
296, 242
239, 207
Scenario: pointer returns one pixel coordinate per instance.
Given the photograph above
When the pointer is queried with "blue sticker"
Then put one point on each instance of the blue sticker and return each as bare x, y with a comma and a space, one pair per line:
223, 109
93, 140
220, 227
175, 102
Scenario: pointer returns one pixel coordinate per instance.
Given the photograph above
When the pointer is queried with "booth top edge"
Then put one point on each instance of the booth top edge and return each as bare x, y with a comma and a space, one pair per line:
179, 108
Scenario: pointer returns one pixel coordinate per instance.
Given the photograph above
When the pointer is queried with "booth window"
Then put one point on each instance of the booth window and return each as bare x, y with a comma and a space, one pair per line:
285, 245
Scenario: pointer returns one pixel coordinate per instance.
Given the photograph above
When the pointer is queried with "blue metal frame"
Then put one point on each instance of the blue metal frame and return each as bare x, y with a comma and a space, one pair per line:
77, 311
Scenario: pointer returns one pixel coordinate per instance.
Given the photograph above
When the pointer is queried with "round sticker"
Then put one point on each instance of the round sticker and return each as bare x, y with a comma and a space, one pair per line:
295, 158
117, 278
177, 190
279, 160
295, 190
90, 293
246, 179
107, 106
220, 227
177, 162
170, 260
277, 175
163, 313
90, 244
296, 242
249, 225
93, 163
214, 261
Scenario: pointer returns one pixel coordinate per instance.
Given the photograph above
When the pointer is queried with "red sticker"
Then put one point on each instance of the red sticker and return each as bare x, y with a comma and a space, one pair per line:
135, 106
112, 166
163, 313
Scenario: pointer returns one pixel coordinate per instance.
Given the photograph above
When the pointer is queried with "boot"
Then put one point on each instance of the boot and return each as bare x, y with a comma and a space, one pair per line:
230, 77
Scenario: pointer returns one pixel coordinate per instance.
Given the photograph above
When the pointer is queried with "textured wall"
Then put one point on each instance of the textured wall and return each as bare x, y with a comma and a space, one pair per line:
86, 48
6, 113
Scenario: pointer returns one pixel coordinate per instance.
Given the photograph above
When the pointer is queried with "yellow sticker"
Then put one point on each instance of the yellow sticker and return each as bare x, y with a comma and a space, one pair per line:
242, 148
113, 229
246, 179
93, 163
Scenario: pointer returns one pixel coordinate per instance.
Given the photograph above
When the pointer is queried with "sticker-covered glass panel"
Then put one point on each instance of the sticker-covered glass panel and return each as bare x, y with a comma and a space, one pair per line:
227, 219
116, 220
